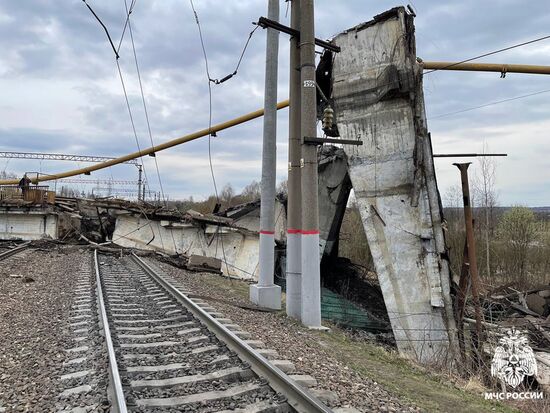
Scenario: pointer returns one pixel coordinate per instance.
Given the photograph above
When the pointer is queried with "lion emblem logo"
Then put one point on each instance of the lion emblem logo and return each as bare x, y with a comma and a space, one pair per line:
513, 359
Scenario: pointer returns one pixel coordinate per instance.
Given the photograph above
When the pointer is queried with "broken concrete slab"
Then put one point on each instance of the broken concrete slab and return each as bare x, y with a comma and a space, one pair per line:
334, 190
202, 263
28, 222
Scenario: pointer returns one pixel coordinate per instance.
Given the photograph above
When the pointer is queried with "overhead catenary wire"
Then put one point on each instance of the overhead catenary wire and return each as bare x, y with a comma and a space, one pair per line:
196, 135
491, 53
489, 104
117, 57
234, 73
129, 24
132, 123
104, 28
126, 21
143, 98
210, 123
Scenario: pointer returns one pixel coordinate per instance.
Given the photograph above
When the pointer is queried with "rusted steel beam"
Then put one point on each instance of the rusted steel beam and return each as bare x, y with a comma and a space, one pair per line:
471, 246
462, 293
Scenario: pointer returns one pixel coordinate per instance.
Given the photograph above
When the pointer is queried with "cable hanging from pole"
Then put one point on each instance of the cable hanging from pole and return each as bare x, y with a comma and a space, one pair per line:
128, 12
129, 24
117, 57
234, 73
104, 28
219, 237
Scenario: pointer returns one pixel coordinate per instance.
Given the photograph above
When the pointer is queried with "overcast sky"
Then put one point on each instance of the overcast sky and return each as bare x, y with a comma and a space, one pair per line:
60, 90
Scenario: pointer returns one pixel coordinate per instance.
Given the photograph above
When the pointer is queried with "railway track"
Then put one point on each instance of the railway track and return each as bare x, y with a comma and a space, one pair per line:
13, 251
167, 353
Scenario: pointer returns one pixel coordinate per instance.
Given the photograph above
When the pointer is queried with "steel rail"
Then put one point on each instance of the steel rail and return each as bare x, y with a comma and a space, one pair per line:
14, 251
298, 398
115, 375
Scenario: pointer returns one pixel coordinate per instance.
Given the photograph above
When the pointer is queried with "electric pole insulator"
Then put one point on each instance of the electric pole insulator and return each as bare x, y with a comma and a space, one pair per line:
328, 118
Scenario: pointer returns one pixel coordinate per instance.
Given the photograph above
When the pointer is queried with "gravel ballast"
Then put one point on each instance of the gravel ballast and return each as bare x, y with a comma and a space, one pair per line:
35, 298
292, 342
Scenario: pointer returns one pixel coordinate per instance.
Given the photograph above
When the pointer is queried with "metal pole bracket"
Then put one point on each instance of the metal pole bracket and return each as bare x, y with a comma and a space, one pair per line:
265, 23
321, 141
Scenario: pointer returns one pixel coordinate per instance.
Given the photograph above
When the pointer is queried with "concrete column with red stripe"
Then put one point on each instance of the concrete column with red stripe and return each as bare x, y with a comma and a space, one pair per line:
266, 293
294, 207
311, 274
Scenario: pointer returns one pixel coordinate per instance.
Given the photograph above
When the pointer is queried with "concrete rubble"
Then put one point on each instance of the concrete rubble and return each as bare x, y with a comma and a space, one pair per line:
527, 311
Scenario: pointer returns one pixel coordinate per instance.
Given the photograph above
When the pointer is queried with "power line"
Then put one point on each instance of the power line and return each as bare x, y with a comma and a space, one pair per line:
229, 76
129, 11
209, 99
143, 97
491, 53
135, 134
377, 87
104, 28
117, 57
126, 99
210, 81
490, 104
131, 116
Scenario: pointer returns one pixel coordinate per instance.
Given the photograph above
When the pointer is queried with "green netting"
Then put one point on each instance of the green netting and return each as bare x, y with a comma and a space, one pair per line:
339, 310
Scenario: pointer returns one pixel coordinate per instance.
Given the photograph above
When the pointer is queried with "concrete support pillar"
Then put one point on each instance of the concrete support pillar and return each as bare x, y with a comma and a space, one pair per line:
294, 220
311, 274
266, 293
380, 101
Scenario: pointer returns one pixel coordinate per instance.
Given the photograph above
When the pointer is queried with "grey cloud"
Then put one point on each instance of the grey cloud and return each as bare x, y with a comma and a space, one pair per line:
51, 40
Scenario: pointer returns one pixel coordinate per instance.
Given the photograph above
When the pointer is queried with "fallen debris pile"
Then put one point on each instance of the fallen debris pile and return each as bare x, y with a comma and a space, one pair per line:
507, 308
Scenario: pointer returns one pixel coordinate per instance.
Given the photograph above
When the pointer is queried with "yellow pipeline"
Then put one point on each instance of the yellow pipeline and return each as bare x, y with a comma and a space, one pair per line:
156, 148
487, 67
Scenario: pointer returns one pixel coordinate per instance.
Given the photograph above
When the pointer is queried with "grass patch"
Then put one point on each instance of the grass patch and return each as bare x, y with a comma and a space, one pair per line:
400, 377
407, 381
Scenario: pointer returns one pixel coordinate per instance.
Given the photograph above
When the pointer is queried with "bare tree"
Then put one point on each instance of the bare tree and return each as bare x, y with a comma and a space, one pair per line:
454, 226
518, 231
282, 188
7, 175
452, 200
484, 183
251, 192
227, 193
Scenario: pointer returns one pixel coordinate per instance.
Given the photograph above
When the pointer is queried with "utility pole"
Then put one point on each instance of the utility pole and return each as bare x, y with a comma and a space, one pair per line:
266, 293
311, 274
294, 219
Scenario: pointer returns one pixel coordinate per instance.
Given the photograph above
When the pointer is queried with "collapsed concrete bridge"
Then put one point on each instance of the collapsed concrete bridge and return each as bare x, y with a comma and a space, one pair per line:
375, 87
